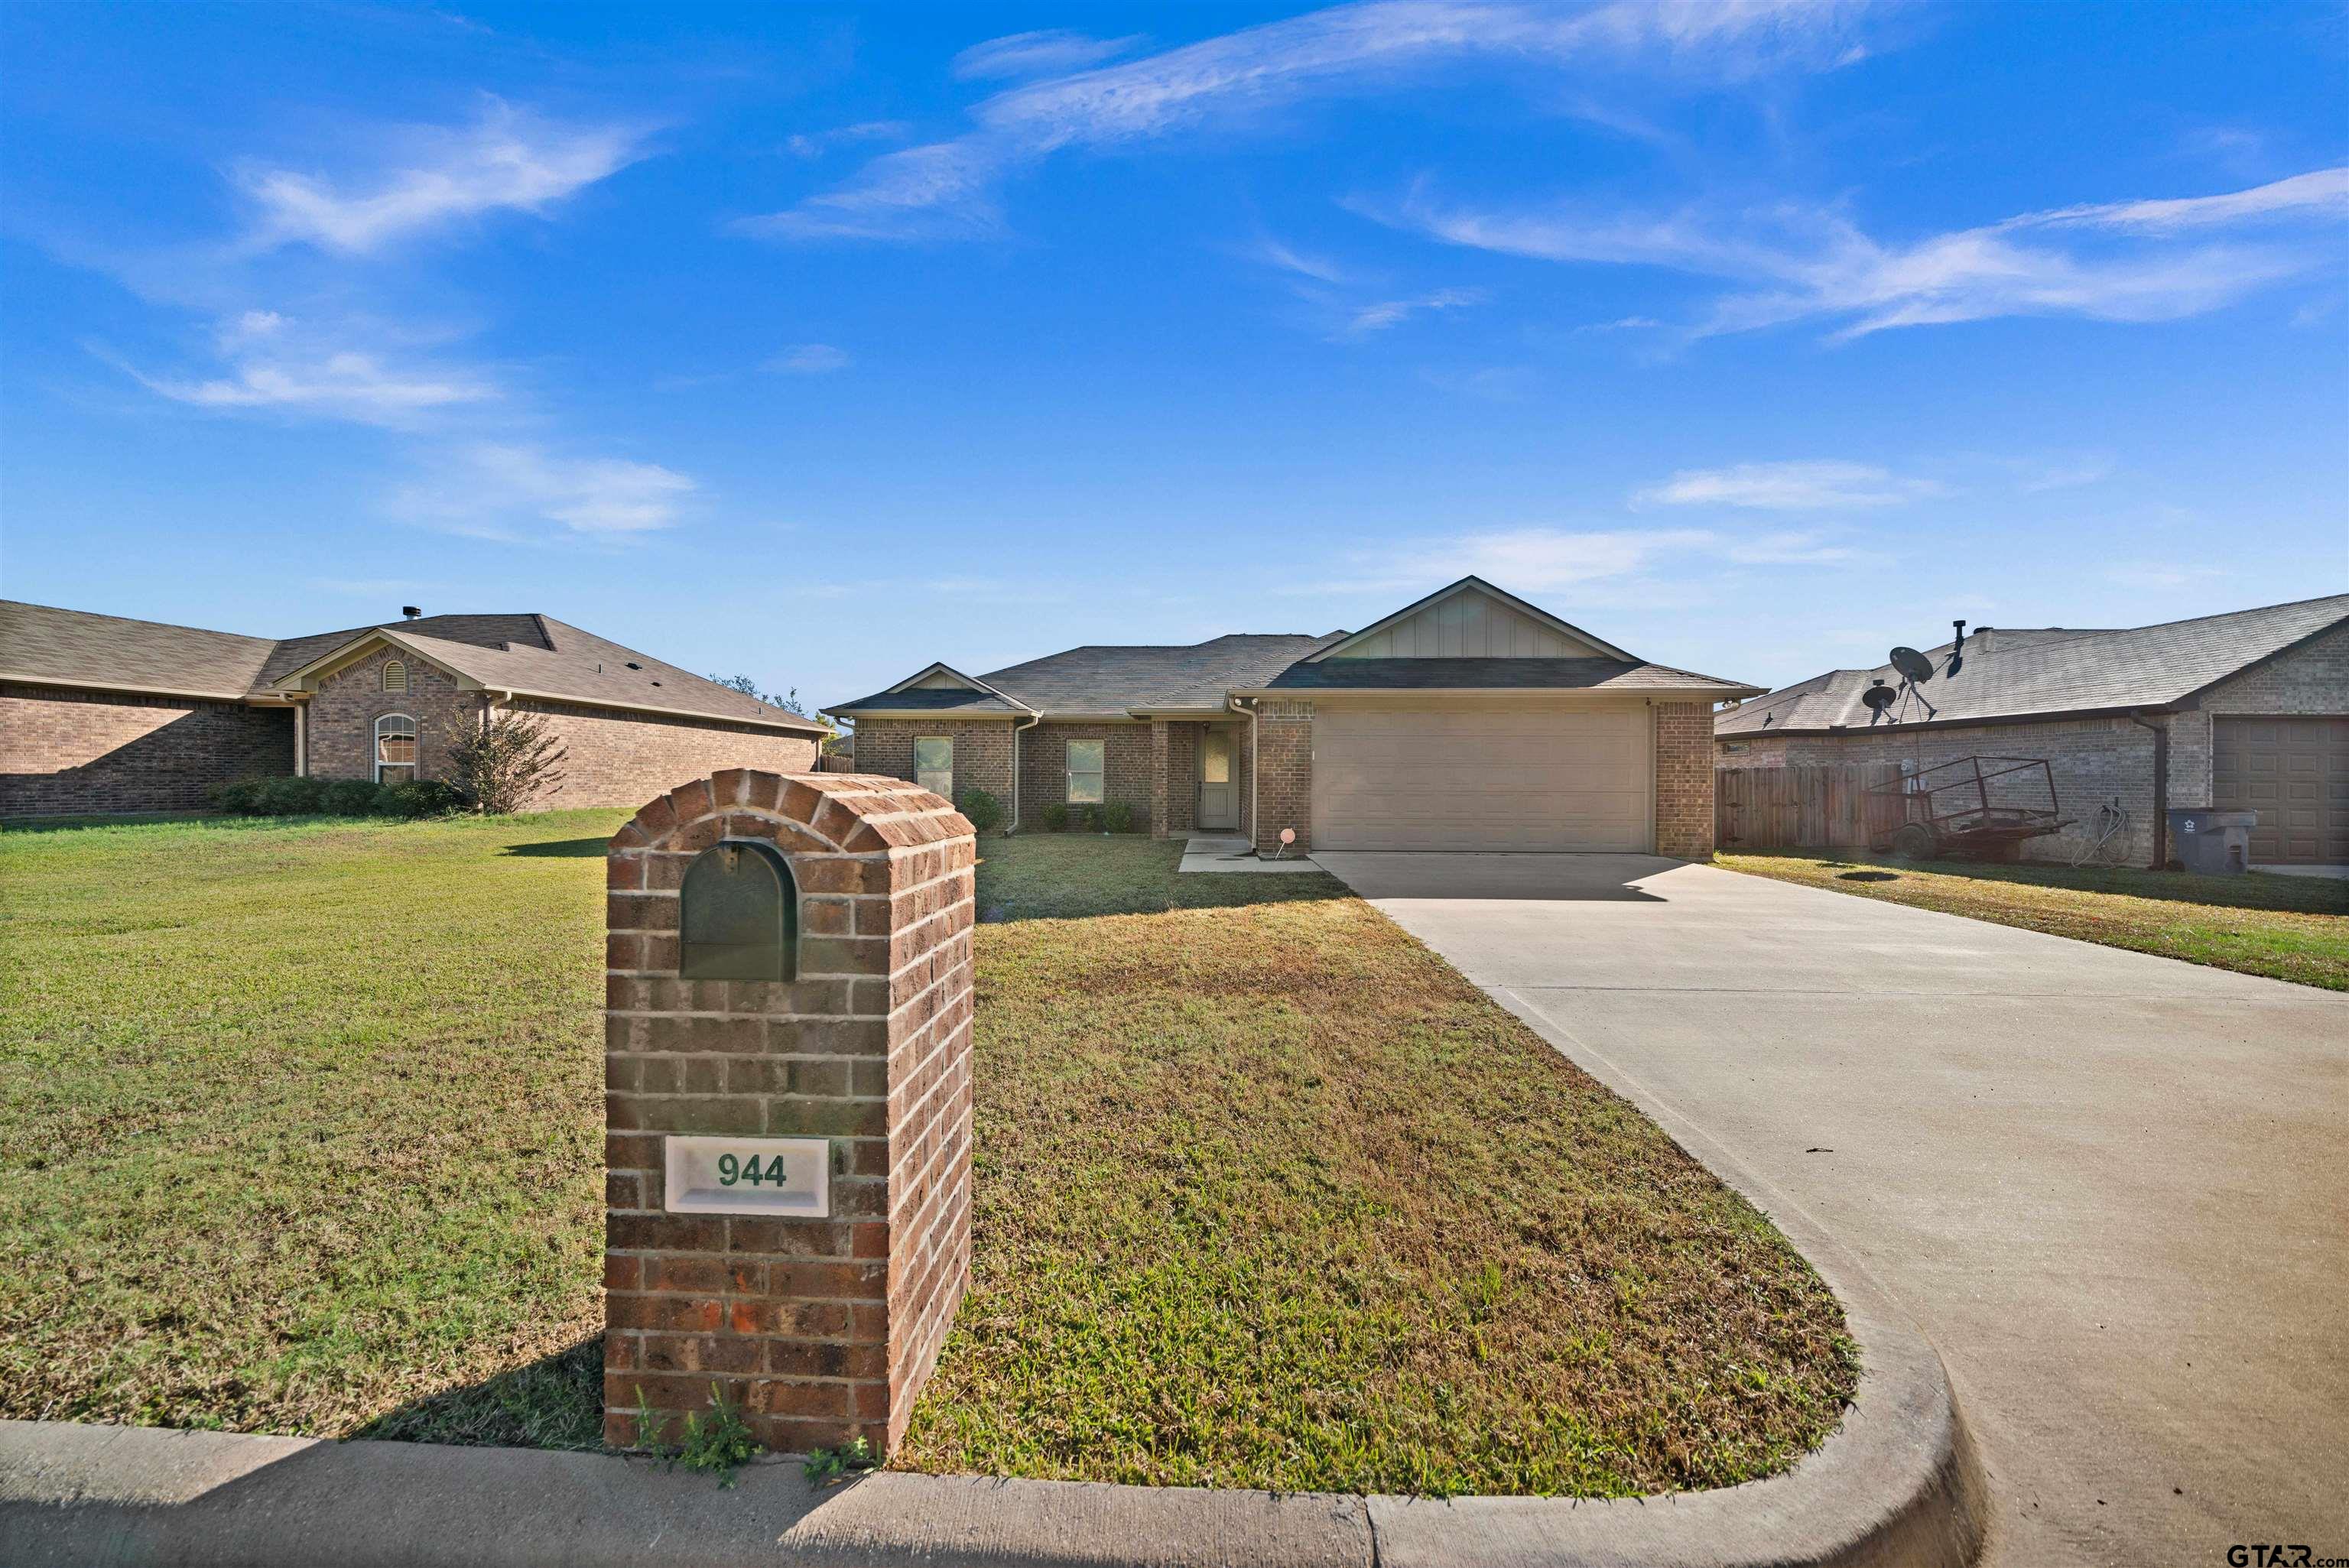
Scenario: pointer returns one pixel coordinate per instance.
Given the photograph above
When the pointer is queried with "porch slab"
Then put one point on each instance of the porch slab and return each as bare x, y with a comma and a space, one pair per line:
1232, 853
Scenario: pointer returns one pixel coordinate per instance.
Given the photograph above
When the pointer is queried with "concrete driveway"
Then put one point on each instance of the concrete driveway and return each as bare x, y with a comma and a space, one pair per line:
2112, 1189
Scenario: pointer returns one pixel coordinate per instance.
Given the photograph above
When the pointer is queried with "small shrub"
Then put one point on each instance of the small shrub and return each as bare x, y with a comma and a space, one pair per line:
1118, 818
239, 795
289, 797
1056, 818
352, 797
827, 1465
1089, 819
499, 766
984, 812
717, 1441
421, 797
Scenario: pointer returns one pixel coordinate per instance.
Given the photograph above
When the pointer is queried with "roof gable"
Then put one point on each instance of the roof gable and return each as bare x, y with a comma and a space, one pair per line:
1471, 620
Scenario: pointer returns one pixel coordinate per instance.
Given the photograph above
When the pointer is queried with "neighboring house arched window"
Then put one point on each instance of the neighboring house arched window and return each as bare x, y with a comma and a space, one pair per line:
395, 749
395, 675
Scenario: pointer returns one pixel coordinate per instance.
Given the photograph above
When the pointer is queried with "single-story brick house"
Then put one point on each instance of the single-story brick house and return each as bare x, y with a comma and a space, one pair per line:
102, 714
1469, 720
2242, 711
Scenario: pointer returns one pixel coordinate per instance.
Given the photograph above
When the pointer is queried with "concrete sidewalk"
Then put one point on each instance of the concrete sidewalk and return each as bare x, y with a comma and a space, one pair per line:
2112, 1188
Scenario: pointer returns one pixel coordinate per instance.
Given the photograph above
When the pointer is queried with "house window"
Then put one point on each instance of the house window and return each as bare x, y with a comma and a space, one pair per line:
395, 675
933, 764
1085, 772
395, 749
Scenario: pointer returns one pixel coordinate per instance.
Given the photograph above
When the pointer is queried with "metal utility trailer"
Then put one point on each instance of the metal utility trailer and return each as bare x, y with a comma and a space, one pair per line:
1981, 808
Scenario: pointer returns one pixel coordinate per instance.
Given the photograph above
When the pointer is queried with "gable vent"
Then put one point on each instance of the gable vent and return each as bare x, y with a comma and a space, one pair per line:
395, 675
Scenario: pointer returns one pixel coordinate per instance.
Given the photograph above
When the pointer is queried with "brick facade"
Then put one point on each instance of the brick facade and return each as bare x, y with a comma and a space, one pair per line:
1174, 776
344, 711
2311, 679
982, 751
2095, 761
1126, 764
617, 757
819, 1330
65, 752
612, 757
1283, 784
1684, 815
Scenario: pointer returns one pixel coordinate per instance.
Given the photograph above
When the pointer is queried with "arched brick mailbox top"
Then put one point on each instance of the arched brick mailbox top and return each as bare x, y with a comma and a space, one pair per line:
823, 1326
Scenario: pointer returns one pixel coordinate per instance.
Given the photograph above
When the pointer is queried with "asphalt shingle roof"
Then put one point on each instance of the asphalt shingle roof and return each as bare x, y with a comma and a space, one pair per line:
1113, 679
1552, 674
519, 652
2050, 669
73, 646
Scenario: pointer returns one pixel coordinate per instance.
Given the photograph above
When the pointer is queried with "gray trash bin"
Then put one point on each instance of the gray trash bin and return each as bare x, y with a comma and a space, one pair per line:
2217, 842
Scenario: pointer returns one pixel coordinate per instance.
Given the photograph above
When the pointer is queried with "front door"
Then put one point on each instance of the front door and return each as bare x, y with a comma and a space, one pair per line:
1219, 796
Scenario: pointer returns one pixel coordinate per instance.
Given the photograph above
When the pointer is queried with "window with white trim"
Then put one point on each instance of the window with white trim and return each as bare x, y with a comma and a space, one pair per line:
933, 764
1085, 772
395, 675
395, 749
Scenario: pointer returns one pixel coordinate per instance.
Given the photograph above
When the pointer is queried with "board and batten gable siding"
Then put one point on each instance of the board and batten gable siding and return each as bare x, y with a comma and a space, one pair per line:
68, 752
1468, 626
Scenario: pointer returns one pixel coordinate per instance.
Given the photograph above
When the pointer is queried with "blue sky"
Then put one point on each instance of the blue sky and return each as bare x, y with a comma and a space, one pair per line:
818, 344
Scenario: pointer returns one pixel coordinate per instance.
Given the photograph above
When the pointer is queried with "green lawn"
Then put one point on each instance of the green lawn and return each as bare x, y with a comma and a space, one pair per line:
300, 1125
2288, 928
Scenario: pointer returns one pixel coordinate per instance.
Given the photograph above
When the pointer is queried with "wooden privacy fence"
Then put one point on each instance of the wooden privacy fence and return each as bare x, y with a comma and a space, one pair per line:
1820, 806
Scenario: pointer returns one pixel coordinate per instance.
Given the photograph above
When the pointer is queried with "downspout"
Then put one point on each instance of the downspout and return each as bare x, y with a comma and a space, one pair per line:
1016, 728
2161, 790
1256, 766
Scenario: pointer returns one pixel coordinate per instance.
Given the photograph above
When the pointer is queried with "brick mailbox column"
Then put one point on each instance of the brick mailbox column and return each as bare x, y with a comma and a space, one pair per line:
788, 1093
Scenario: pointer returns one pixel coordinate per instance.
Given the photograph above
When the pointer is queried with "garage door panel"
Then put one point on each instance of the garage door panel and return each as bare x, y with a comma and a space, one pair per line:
2294, 772
1481, 779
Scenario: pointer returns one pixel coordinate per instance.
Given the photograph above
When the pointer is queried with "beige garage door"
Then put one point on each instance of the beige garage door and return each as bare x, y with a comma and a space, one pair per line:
2294, 772
1493, 778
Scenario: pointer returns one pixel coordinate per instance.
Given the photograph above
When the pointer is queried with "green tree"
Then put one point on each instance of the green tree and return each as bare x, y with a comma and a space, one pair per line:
502, 763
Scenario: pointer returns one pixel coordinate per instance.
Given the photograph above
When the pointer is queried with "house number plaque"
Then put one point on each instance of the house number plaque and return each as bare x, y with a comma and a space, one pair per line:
791, 1177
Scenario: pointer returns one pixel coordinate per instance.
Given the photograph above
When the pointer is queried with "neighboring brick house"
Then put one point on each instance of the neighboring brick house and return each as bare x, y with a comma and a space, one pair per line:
1468, 720
2246, 711
101, 714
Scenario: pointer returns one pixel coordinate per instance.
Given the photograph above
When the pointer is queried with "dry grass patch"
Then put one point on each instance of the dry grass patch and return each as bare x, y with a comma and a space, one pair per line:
1270, 1196
2287, 928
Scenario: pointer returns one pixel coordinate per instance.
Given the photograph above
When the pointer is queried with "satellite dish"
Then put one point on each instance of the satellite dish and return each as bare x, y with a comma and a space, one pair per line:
1879, 698
1914, 667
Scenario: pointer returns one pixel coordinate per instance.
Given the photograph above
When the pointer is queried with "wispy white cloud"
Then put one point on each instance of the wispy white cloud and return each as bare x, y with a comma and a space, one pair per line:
508, 491
431, 177
947, 188
1809, 548
1824, 486
816, 143
1045, 53
2126, 262
1550, 559
2163, 573
1389, 312
1273, 253
2069, 473
809, 359
274, 364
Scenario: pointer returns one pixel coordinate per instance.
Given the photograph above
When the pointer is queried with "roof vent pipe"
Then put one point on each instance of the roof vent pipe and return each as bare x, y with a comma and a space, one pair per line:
410, 611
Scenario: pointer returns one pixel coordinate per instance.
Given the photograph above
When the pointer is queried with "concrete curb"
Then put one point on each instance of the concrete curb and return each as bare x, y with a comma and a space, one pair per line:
1897, 1483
